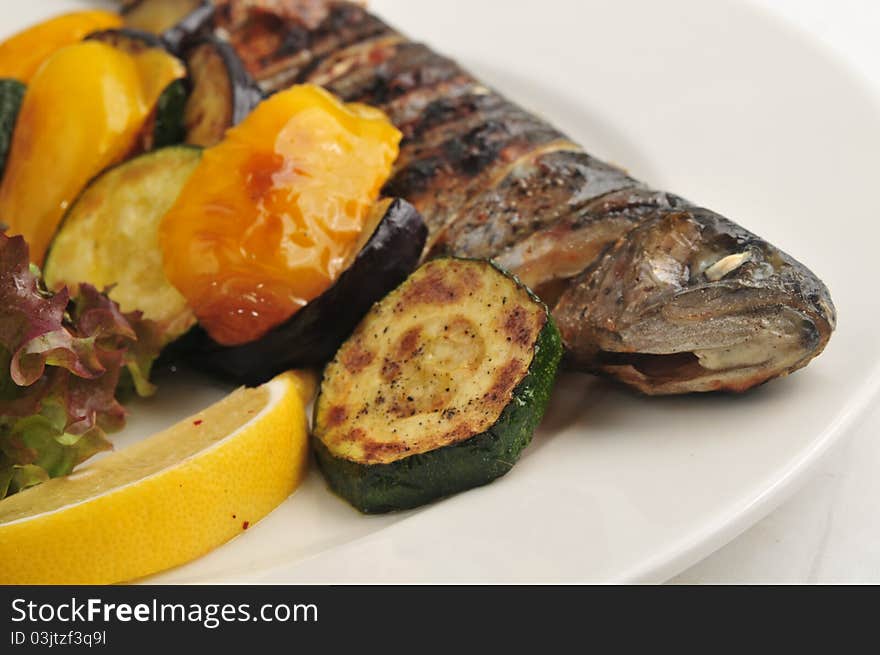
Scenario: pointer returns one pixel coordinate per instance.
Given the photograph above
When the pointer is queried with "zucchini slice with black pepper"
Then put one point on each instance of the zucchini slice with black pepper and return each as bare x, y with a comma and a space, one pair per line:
109, 236
11, 96
438, 390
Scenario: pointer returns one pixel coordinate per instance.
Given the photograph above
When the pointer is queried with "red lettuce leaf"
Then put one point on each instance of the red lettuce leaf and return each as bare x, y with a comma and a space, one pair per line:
61, 360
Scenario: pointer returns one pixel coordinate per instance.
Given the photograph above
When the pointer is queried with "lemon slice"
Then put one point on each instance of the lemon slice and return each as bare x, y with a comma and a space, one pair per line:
165, 500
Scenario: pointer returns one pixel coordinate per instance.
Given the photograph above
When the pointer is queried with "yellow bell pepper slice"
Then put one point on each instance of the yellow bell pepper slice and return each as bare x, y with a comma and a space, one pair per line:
270, 215
22, 54
83, 111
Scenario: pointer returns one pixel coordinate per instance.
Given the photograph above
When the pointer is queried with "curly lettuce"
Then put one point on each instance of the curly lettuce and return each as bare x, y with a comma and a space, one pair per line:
61, 362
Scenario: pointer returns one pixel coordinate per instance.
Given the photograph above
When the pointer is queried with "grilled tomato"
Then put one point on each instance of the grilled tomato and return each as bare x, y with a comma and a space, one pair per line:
273, 212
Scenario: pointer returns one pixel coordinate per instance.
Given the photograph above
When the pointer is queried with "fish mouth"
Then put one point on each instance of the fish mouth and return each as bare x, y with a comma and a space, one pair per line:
734, 352
689, 302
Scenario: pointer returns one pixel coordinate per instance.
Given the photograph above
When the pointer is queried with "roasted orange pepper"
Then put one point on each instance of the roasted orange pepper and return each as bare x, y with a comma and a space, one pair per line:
268, 218
82, 112
22, 54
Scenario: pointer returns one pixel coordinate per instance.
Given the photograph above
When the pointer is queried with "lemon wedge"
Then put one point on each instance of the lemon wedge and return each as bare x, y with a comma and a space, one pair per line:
165, 500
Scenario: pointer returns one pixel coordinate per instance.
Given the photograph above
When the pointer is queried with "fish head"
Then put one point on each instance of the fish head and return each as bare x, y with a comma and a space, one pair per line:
689, 301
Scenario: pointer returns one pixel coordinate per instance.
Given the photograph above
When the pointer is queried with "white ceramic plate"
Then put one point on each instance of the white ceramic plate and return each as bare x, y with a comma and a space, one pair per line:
712, 100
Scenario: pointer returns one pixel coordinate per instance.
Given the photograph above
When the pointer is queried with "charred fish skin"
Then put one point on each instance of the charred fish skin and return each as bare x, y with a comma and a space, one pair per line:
647, 287
537, 192
281, 41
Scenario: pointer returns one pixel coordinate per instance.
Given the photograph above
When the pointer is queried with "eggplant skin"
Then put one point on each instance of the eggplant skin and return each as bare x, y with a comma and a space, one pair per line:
312, 336
223, 93
191, 26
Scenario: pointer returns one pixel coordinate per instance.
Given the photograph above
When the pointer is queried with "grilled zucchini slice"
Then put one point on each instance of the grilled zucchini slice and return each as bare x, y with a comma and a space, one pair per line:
438, 390
109, 236
11, 96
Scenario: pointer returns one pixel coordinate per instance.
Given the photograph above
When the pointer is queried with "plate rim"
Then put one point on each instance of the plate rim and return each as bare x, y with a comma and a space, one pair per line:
682, 555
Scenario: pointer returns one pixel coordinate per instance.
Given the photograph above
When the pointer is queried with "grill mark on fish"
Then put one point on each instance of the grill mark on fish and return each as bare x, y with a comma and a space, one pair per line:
443, 119
282, 52
493, 180
411, 66
462, 166
372, 52
535, 195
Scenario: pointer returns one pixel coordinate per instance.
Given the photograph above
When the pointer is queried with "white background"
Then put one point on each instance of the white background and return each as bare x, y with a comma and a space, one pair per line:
829, 532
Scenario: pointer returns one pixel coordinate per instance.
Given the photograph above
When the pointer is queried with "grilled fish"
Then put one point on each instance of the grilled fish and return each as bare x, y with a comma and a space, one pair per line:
647, 287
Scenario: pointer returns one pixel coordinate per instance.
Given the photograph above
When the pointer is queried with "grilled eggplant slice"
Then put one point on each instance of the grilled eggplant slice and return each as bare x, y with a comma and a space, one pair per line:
109, 237
438, 390
11, 96
394, 239
223, 93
